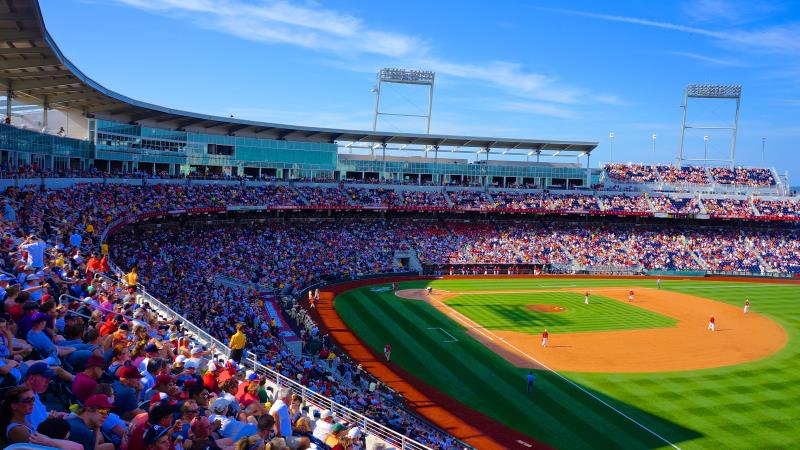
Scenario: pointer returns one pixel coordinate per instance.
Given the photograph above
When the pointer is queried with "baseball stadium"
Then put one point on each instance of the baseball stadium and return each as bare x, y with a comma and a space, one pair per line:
177, 280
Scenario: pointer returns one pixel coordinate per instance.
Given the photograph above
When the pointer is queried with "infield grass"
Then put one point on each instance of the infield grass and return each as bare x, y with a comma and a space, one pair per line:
749, 406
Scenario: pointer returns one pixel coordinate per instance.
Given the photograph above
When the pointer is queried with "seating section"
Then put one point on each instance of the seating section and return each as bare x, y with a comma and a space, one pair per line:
105, 348
642, 173
743, 177
727, 207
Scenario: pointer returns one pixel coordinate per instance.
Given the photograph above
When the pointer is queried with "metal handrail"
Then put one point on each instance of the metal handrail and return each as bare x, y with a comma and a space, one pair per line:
100, 308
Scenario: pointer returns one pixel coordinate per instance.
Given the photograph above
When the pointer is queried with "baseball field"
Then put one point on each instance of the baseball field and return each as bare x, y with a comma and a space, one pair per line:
614, 373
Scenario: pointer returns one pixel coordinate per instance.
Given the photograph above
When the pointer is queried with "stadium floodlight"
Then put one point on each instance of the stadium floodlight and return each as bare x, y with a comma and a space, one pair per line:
654, 143
611, 147
711, 91
705, 147
404, 76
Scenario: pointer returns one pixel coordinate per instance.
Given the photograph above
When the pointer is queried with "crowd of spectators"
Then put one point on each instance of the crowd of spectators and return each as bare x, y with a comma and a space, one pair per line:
675, 205
756, 177
625, 203
683, 175
777, 208
115, 374
728, 207
631, 173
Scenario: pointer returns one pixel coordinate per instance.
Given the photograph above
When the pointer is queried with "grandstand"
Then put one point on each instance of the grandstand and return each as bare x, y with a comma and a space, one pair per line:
158, 230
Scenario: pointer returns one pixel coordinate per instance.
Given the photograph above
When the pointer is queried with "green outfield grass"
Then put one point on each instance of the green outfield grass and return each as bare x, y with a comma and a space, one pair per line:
509, 312
753, 405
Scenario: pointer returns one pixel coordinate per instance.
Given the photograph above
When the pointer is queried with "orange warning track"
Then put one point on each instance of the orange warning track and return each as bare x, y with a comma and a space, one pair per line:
688, 346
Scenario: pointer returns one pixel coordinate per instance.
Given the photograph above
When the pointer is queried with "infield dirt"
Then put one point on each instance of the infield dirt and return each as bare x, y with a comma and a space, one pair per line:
689, 345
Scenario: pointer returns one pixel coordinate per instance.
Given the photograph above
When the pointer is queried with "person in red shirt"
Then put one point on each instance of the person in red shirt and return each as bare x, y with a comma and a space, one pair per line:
630, 296
586, 297
712, 325
545, 335
84, 383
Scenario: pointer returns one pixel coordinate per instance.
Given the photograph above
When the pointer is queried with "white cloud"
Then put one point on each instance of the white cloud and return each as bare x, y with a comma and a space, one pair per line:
775, 39
351, 39
708, 59
730, 12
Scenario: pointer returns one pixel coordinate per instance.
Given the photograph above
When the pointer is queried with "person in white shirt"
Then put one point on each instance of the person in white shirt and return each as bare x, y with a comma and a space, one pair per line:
283, 422
323, 426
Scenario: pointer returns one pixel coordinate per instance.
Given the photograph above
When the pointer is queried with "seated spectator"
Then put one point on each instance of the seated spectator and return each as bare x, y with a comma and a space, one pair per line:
84, 425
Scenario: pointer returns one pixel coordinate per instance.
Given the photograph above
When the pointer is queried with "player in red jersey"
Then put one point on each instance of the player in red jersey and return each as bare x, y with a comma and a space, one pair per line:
545, 335
712, 323
747, 306
630, 296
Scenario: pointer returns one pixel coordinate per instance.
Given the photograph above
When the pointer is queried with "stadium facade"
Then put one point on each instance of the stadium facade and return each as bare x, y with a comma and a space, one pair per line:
116, 133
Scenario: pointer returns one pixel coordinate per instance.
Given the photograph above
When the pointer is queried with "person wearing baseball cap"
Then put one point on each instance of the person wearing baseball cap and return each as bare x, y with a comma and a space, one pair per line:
37, 378
84, 383
126, 391
83, 426
323, 426
157, 438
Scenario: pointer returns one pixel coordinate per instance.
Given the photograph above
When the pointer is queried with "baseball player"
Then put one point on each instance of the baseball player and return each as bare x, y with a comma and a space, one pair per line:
712, 323
586, 297
545, 335
630, 296
387, 351
658, 282
747, 306
429, 290
530, 380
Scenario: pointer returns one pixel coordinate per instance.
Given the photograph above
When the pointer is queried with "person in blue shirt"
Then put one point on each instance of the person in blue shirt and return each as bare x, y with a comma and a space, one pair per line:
9, 214
76, 239
530, 380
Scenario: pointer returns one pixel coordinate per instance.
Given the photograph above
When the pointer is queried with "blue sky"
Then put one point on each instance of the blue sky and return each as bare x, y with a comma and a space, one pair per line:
548, 70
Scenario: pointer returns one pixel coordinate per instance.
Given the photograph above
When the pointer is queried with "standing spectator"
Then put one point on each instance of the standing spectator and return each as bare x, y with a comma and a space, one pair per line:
237, 343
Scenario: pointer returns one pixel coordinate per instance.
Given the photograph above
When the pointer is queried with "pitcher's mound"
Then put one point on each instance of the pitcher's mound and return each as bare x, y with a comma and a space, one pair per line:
546, 308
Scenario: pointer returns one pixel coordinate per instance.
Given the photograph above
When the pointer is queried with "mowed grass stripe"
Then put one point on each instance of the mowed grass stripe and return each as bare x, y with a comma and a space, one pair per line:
752, 405
509, 312
551, 412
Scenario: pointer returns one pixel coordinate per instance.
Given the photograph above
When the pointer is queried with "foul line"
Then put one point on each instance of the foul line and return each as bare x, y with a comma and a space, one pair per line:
477, 327
452, 338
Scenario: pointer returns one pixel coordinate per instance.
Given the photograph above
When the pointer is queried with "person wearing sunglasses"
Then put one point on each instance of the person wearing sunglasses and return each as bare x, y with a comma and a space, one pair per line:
85, 425
17, 404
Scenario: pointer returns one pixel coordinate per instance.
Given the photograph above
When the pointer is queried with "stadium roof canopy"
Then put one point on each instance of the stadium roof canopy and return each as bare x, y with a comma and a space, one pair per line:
35, 71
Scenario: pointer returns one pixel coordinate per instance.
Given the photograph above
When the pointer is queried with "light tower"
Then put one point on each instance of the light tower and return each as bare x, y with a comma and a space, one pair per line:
404, 76
710, 91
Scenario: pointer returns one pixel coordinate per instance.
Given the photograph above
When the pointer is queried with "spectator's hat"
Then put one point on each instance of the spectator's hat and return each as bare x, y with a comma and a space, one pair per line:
325, 414
191, 364
354, 433
154, 433
90, 289
180, 359
4, 277
158, 397
40, 368
98, 401
129, 372
33, 276
39, 317
196, 350
28, 268
252, 377
95, 361
220, 405
151, 348
337, 428
164, 379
